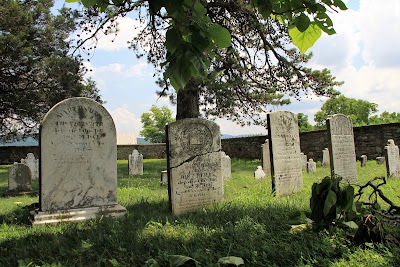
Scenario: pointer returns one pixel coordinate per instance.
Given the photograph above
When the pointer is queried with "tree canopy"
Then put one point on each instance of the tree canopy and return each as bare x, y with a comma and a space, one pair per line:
154, 123
225, 58
36, 68
304, 125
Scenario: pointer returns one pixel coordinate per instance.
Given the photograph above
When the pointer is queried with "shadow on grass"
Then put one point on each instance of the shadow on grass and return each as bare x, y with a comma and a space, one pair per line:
260, 235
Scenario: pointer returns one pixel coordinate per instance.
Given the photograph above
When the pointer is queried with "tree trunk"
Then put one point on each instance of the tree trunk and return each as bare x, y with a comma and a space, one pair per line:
188, 102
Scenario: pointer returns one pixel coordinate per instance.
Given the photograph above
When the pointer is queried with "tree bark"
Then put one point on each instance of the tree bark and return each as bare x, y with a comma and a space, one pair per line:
188, 102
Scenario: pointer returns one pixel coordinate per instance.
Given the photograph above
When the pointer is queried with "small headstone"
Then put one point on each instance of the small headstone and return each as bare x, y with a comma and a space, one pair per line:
303, 158
164, 178
226, 166
19, 178
33, 164
285, 153
341, 147
259, 173
311, 166
392, 159
325, 158
78, 161
380, 160
266, 157
135, 163
364, 160
194, 165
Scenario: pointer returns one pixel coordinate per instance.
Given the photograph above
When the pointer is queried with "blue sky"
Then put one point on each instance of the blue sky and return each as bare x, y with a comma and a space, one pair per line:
364, 54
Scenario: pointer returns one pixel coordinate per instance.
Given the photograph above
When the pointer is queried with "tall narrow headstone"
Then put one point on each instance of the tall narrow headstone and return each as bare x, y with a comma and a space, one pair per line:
392, 159
78, 163
266, 157
194, 165
325, 158
364, 160
33, 164
311, 166
226, 166
164, 178
135, 163
341, 147
19, 178
285, 153
303, 158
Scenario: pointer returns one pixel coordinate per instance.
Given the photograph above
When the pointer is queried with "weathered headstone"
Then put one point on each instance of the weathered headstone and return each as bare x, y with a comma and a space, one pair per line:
194, 165
33, 164
380, 160
325, 157
341, 147
226, 166
311, 166
78, 161
266, 157
164, 178
303, 158
259, 173
135, 163
285, 153
364, 160
19, 178
392, 159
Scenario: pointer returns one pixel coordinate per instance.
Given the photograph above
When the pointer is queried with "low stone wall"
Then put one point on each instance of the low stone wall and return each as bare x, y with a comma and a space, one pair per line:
369, 140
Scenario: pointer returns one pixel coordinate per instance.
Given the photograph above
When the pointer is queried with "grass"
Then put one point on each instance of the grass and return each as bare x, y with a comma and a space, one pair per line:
250, 223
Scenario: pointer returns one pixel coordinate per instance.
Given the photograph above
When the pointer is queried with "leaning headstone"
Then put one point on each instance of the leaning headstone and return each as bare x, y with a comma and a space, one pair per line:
392, 159
33, 164
164, 178
311, 166
364, 160
135, 163
19, 179
78, 161
266, 157
380, 160
341, 147
194, 165
325, 158
259, 173
285, 153
226, 166
303, 158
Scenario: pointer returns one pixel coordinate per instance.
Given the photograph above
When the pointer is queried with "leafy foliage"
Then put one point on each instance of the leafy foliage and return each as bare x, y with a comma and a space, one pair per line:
304, 125
154, 123
36, 70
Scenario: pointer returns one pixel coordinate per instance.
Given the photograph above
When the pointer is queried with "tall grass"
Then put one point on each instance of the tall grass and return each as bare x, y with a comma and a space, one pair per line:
251, 223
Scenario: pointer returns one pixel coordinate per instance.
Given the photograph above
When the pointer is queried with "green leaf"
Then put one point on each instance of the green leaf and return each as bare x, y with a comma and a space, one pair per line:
88, 3
340, 4
351, 225
198, 64
264, 10
220, 36
199, 9
199, 41
330, 201
179, 260
118, 2
173, 39
302, 22
71, 1
305, 40
231, 260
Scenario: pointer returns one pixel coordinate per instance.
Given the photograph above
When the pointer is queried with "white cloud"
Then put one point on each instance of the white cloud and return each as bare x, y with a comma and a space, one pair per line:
125, 121
232, 128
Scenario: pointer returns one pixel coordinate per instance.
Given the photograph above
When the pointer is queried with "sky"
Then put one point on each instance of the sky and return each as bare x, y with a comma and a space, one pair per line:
364, 53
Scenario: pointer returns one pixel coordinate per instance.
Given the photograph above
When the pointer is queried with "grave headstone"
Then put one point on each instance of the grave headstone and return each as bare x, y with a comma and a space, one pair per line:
392, 159
364, 160
78, 162
164, 178
194, 165
135, 163
341, 147
380, 160
259, 173
226, 166
285, 151
303, 158
325, 158
266, 157
311, 166
19, 178
33, 164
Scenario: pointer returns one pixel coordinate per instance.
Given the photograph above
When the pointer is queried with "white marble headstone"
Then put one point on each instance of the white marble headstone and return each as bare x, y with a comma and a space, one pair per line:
303, 158
266, 157
226, 166
164, 178
311, 166
259, 173
341, 147
78, 163
33, 164
364, 160
194, 165
325, 158
19, 178
135, 163
392, 159
285, 153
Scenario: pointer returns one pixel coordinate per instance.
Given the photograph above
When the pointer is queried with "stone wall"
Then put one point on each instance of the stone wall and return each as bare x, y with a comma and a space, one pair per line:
369, 140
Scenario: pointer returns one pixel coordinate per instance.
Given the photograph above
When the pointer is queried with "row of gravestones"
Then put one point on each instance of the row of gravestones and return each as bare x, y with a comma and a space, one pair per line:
78, 161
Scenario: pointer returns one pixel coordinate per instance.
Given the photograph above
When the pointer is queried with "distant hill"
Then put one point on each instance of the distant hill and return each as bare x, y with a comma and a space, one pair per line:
30, 141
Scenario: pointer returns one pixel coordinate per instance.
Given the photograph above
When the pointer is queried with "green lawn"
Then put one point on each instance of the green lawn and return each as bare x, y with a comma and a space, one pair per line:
250, 223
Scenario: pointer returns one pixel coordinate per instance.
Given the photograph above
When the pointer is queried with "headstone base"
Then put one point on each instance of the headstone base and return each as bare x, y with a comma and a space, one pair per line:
76, 215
